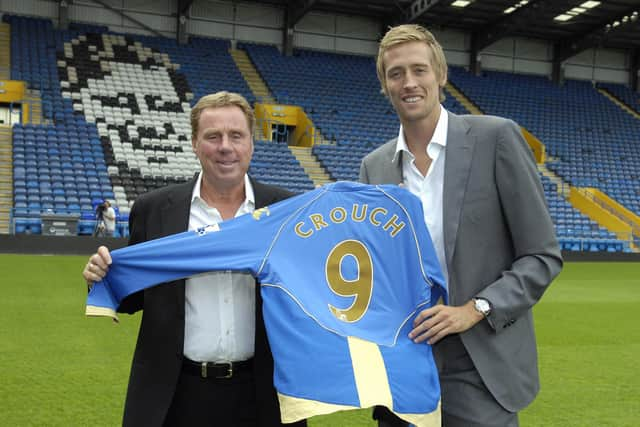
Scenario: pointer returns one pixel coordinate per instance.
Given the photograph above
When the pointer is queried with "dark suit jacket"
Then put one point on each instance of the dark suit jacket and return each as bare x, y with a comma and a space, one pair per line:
158, 355
500, 244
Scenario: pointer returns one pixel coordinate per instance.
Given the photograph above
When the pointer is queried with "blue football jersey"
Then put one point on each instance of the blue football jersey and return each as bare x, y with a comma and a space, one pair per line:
343, 270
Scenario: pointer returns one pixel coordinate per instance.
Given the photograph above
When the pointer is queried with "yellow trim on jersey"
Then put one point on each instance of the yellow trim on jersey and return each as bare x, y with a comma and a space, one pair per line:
370, 374
294, 409
373, 388
373, 384
93, 310
432, 419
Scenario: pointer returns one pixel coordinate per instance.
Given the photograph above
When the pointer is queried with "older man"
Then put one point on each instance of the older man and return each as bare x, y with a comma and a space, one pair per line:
202, 356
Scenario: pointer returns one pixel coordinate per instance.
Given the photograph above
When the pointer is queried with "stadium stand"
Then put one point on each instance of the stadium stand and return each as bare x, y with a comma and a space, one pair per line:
575, 231
590, 140
115, 131
624, 94
341, 93
593, 143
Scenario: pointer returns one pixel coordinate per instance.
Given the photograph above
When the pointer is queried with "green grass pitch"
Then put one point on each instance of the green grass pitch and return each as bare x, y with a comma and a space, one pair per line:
59, 368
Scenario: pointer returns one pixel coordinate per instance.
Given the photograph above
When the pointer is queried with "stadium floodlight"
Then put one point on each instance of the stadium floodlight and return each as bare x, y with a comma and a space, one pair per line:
509, 10
590, 4
563, 17
461, 3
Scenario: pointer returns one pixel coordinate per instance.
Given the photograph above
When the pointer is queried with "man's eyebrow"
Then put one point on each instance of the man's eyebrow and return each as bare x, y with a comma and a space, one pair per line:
207, 131
413, 64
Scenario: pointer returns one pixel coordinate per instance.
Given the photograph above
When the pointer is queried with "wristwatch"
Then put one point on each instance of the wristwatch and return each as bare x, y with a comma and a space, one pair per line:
482, 306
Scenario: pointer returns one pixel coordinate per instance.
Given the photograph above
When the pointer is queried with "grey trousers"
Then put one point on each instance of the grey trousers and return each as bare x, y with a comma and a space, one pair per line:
466, 401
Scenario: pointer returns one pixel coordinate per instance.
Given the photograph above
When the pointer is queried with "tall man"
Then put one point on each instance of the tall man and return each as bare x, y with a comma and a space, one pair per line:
202, 356
486, 212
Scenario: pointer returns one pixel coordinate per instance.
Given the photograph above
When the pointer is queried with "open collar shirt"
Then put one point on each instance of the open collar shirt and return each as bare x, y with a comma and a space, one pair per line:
219, 306
428, 188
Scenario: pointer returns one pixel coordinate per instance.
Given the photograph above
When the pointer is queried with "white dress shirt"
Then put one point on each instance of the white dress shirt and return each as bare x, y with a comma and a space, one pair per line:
219, 313
429, 188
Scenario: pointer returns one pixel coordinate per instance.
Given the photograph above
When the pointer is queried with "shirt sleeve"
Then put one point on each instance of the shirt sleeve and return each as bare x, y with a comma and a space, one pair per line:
240, 244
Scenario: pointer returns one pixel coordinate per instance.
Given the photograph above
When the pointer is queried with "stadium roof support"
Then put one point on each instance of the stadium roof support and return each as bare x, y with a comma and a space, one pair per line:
293, 13
181, 24
500, 28
124, 15
63, 14
634, 70
594, 37
183, 6
419, 7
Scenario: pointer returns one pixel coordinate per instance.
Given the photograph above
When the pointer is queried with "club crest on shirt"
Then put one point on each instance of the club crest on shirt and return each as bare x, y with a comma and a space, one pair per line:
207, 229
257, 214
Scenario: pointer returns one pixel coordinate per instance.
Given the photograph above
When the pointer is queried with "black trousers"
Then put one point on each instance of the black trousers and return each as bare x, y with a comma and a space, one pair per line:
214, 402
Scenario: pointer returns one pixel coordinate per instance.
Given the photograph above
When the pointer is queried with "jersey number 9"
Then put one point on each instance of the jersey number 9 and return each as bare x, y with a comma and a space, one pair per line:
361, 287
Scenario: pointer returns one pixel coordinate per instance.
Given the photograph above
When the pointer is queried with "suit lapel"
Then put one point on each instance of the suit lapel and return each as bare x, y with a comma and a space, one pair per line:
386, 169
175, 213
262, 194
174, 217
392, 172
456, 172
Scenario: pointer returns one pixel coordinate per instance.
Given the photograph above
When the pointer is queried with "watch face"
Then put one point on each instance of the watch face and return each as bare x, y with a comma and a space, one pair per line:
482, 306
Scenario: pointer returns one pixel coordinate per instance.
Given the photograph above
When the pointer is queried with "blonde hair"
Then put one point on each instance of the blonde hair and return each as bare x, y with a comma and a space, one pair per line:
411, 33
219, 100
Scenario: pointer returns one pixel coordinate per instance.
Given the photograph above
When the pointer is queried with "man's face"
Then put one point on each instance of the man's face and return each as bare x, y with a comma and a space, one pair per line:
411, 81
224, 145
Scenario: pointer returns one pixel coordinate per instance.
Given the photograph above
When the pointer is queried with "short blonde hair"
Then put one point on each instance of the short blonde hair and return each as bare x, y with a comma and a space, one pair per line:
411, 33
219, 100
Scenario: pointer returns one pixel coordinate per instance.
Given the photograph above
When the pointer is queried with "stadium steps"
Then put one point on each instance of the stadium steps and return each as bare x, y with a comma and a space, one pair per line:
618, 102
311, 166
561, 187
619, 211
320, 139
589, 202
5, 48
564, 190
6, 178
462, 99
251, 76
32, 98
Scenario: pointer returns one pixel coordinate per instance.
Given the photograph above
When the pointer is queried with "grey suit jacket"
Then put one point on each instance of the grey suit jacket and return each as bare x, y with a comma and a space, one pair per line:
500, 244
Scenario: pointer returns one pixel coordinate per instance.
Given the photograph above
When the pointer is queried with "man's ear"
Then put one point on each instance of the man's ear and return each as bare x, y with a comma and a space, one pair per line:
443, 81
383, 89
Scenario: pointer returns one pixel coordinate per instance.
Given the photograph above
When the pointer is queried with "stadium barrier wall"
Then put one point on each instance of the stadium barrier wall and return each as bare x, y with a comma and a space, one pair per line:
539, 150
85, 245
587, 206
571, 256
56, 245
